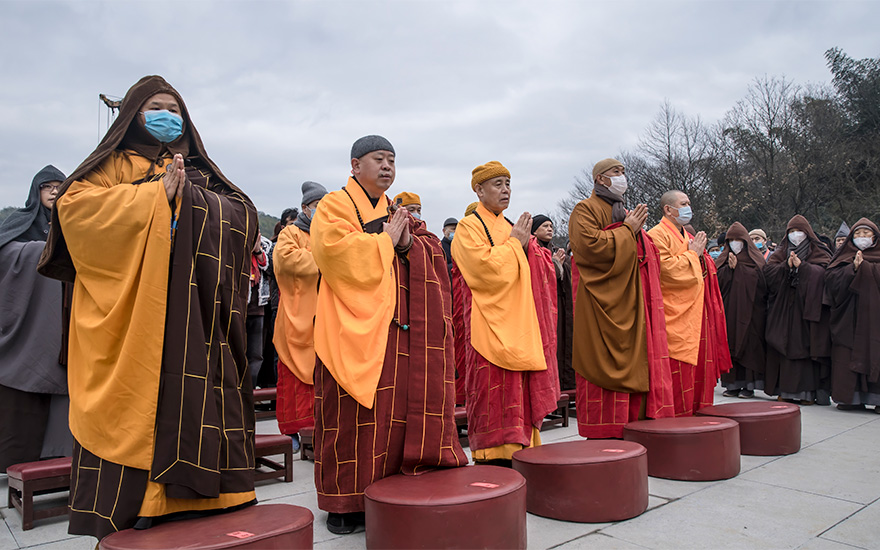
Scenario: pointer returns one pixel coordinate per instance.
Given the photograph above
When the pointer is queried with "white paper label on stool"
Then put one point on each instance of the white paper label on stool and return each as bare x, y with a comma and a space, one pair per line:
240, 534
712, 423
613, 451
485, 485
778, 407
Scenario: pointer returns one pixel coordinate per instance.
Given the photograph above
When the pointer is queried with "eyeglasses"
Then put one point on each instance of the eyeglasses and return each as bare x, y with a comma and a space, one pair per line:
49, 187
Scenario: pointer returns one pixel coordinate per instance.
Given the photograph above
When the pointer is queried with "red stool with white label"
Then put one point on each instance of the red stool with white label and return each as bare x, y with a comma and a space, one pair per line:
690, 448
591, 481
765, 428
262, 526
467, 507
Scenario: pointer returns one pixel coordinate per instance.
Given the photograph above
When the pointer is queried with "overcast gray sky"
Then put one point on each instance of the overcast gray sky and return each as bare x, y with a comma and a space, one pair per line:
280, 90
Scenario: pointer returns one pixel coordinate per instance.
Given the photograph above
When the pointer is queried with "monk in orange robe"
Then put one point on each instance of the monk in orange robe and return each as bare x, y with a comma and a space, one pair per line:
294, 338
620, 354
156, 241
512, 380
695, 324
385, 375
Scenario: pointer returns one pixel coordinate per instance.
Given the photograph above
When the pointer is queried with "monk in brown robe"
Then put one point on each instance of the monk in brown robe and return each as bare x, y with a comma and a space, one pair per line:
512, 381
294, 338
853, 284
695, 325
156, 242
798, 322
620, 352
385, 376
744, 291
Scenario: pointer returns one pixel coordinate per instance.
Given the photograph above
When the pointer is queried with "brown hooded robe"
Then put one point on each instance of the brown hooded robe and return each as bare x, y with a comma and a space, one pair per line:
797, 333
855, 321
161, 403
744, 291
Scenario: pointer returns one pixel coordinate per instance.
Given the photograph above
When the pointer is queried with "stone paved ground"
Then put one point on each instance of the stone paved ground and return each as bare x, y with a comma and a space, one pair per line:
826, 497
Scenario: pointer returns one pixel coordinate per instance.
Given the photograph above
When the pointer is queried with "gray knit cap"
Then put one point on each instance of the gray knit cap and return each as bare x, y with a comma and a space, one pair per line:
312, 191
368, 144
450, 221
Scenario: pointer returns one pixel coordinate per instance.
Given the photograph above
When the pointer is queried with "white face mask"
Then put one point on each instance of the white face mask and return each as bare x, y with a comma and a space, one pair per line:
863, 242
618, 185
416, 215
796, 237
736, 246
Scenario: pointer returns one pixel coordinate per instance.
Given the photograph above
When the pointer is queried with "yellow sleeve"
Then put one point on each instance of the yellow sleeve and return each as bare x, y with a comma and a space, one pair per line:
119, 238
504, 323
356, 299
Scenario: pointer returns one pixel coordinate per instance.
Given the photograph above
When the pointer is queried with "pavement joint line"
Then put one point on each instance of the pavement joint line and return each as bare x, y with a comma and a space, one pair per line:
848, 517
837, 434
38, 545
862, 504
595, 532
836, 542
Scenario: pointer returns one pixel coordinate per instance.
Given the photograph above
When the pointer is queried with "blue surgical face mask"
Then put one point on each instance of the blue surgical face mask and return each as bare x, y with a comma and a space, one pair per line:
451, 234
715, 254
760, 245
163, 125
416, 215
684, 215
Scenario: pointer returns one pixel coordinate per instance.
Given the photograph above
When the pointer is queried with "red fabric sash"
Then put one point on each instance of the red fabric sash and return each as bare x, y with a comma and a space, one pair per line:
714, 356
544, 385
461, 310
295, 402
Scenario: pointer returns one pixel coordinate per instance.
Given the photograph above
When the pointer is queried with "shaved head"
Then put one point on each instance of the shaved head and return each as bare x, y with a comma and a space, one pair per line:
670, 198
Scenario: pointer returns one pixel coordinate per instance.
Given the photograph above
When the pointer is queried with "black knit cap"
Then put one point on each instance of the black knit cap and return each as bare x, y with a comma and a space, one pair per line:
368, 144
538, 221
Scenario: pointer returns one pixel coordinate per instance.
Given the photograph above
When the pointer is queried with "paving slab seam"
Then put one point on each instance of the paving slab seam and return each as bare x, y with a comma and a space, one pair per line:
596, 532
863, 505
836, 542
862, 425
76, 537
848, 517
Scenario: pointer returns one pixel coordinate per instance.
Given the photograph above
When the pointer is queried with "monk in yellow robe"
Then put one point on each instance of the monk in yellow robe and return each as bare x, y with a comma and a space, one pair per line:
297, 275
155, 240
619, 351
512, 379
688, 277
385, 375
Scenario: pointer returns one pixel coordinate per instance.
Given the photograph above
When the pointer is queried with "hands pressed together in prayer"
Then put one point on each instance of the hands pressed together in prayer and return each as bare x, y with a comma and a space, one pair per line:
857, 261
795, 262
731, 261
398, 228
175, 177
522, 229
636, 217
559, 255
698, 244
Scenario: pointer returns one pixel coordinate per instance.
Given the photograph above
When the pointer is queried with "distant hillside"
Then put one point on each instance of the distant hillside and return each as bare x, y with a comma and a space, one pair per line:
6, 212
267, 224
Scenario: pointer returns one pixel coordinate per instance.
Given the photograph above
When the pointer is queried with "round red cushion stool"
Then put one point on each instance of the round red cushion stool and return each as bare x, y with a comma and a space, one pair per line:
591, 481
765, 428
269, 526
690, 448
467, 507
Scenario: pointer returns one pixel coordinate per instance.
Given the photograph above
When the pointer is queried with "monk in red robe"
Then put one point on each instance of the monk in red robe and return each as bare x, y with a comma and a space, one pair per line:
620, 353
512, 381
385, 375
695, 324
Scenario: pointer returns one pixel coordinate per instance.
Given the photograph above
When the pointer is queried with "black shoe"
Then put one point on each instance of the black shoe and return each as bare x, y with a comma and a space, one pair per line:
847, 407
731, 393
345, 524
746, 394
